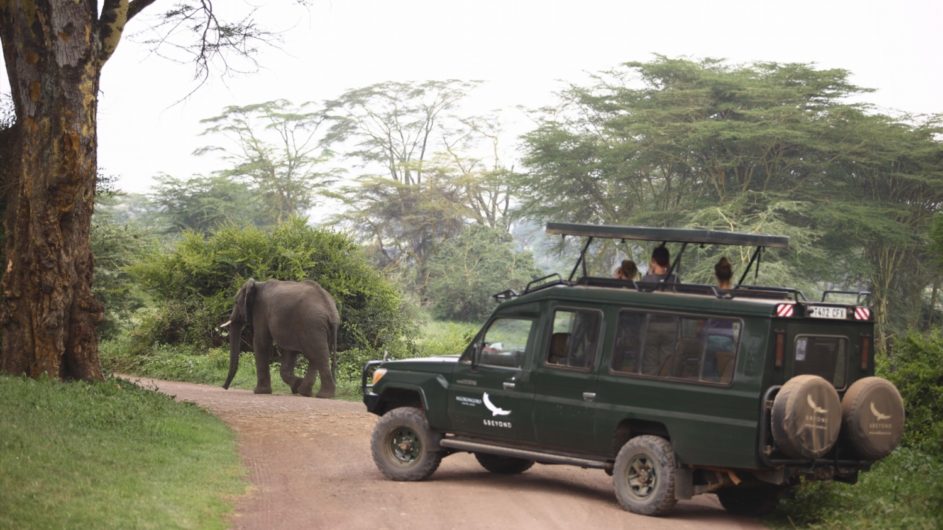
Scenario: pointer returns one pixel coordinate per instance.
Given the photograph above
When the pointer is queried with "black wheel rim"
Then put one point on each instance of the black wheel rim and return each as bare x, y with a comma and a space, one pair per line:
405, 446
642, 476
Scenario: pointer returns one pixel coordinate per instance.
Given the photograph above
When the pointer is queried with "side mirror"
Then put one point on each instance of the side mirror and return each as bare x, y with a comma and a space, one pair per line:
475, 354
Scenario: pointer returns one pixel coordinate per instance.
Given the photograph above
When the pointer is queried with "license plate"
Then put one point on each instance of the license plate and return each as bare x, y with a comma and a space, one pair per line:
821, 311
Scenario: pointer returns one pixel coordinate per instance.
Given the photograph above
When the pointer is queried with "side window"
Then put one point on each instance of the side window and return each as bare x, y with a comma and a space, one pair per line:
505, 342
823, 356
575, 339
723, 335
697, 349
661, 342
627, 349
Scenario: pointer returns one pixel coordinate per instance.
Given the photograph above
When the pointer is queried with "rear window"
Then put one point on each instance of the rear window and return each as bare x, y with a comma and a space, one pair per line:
822, 355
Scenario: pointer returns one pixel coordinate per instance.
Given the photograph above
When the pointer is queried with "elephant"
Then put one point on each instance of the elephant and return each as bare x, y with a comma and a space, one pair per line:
299, 317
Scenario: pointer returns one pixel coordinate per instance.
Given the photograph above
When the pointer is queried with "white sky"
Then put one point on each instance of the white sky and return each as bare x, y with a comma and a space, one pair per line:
523, 50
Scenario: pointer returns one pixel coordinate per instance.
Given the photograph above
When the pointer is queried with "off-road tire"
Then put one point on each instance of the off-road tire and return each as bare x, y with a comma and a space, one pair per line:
752, 500
503, 465
403, 446
806, 417
644, 475
873, 417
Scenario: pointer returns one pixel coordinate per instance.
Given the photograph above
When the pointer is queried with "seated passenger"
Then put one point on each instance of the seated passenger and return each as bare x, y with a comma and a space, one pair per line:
723, 272
628, 270
658, 267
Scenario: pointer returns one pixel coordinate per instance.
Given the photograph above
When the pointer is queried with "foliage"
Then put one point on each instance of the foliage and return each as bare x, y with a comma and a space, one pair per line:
204, 204
196, 282
914, 367
465, 271
111, 455
902, 491
276, 147
429, 169
765, 147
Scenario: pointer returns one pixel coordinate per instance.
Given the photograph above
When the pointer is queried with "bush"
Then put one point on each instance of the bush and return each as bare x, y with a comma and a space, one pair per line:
196, 282
916, 368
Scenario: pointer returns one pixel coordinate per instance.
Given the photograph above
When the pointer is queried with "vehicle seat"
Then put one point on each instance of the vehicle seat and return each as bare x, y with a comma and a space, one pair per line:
558, 348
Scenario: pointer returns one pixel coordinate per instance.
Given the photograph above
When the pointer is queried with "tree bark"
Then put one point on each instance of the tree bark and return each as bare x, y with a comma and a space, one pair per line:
48, 314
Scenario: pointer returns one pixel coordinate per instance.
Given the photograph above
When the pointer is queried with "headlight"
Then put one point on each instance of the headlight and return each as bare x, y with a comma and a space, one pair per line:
378, 374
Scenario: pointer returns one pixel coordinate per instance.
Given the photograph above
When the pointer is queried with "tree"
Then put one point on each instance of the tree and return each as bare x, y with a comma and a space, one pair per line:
465, 271
393, 125
54, 52
284, 173
430, 169
765, 147
203, 204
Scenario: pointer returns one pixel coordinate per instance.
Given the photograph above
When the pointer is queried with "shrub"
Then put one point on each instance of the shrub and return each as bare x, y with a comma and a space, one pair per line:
916, 368
195, 284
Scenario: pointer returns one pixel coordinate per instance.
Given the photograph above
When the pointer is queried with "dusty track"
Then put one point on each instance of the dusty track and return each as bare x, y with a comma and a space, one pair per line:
310, 467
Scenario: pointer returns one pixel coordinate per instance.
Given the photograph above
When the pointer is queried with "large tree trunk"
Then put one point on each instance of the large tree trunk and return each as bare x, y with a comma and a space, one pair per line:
48, 314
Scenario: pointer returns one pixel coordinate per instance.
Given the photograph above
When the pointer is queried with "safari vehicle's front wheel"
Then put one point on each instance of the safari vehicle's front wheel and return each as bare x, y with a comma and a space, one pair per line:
503, 465
644, 475
403, 446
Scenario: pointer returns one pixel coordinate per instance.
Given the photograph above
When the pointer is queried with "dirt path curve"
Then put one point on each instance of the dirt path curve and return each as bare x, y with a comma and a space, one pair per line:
310, 467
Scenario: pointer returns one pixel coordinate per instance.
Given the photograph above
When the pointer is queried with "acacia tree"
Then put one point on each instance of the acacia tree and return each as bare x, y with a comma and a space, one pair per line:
54, 52
277, 147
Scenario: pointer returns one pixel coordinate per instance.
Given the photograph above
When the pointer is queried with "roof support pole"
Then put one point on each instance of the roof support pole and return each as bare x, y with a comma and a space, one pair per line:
754, 259
581, 260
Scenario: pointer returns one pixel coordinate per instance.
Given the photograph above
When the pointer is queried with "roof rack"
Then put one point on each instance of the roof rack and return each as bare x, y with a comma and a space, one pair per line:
684, 236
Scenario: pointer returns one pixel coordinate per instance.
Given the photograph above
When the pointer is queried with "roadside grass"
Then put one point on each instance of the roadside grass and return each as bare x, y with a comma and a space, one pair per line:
182, 363
111, 455
902, 491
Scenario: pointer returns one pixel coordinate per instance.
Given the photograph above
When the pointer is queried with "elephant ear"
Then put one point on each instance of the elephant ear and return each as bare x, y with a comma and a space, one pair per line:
247, 299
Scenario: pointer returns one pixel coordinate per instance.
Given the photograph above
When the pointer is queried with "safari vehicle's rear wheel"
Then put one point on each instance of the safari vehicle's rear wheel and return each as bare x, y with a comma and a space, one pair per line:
403, 446
754, 500
644, 475
503, 465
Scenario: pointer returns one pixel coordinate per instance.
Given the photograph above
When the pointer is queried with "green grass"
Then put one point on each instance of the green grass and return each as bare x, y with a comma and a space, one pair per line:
111, 455
902, 491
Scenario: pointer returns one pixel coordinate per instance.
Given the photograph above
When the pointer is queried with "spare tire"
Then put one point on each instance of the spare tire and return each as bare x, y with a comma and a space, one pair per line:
873, 417
806, 417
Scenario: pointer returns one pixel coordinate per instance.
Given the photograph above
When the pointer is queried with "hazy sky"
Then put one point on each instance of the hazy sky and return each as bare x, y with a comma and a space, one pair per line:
523, 50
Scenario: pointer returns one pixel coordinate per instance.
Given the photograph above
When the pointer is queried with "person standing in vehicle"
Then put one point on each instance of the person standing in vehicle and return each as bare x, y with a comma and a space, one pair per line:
724, 272
658, 267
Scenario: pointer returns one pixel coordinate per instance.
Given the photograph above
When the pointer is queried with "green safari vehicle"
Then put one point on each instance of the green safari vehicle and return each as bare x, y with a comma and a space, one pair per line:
674, 389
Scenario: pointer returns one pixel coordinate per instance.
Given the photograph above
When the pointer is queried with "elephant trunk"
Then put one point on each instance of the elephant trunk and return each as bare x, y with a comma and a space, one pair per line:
235, 336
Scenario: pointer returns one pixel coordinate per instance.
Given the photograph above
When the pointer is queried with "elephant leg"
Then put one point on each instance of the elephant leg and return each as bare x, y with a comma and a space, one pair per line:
263, 352
288, 371
320, 361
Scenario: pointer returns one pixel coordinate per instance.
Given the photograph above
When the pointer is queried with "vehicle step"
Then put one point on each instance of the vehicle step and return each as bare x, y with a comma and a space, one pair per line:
537, 456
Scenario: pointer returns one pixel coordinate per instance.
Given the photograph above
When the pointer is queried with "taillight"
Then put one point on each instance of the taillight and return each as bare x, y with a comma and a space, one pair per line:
780, 347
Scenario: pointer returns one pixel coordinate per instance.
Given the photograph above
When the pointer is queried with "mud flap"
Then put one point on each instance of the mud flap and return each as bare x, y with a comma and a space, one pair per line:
684, 483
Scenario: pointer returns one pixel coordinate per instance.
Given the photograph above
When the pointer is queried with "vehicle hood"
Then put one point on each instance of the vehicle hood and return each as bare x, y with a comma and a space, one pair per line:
444, 364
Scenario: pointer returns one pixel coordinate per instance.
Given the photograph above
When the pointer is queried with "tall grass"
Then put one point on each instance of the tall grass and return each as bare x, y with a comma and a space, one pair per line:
111, 455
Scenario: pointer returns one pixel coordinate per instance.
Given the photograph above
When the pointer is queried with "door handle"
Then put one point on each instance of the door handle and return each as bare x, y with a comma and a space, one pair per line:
508, 385
589, 396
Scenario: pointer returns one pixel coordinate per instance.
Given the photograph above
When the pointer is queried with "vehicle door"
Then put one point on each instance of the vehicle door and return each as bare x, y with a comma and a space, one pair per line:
491, 395
565, 379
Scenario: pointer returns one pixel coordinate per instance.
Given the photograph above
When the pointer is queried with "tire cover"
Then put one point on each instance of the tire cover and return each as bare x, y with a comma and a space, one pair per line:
873, 417
806, 417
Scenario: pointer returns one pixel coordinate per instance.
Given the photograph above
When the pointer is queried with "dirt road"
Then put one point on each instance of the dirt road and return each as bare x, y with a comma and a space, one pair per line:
310, 467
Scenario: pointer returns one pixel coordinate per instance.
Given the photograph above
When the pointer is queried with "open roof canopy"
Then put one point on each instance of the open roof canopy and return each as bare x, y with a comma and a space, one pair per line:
668, 235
